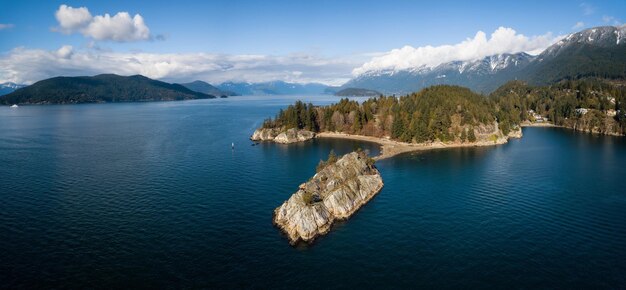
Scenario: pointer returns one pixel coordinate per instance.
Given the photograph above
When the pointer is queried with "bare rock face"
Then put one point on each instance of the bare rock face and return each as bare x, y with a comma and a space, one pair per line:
335, 192
293, 135
265, 134
285, 137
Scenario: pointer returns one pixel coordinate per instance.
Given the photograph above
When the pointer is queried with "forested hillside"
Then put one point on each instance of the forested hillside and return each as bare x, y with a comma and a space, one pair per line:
587, 105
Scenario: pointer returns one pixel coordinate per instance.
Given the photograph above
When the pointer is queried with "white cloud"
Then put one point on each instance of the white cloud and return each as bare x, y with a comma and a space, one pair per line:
22, 65
72, 19
4, 26
65, 52
578, 25
503, 40
120, 27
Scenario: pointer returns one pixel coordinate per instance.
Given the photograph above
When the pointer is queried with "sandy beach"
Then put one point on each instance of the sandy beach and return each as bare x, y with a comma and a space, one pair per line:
390, 148
545, 124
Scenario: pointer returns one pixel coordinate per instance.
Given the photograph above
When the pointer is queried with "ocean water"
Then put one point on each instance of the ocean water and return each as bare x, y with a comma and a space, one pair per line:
152, 195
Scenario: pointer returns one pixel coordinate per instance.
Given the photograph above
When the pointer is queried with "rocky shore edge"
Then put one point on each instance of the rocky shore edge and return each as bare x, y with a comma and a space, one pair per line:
282, 136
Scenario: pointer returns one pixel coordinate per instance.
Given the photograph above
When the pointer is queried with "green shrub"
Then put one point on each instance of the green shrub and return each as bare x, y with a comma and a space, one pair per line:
307, 197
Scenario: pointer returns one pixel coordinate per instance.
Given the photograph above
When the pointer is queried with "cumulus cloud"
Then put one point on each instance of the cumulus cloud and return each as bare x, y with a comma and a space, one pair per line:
578, 25
4, 26
120, 27
72, 19
503, 40
22, 65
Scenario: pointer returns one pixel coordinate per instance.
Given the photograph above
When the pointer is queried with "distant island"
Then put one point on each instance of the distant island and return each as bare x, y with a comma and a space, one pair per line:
104, 88
348, 92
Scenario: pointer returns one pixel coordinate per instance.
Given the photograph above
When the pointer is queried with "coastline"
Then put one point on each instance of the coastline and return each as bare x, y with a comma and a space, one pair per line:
390, 148
526, 124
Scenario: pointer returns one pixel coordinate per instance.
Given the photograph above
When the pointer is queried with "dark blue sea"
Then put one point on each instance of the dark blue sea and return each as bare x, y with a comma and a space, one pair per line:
138, 195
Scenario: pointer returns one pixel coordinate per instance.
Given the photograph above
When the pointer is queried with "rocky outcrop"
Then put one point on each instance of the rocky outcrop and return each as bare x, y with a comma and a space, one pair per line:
265, 134
516, 133
293, 135
335, 192
284, 137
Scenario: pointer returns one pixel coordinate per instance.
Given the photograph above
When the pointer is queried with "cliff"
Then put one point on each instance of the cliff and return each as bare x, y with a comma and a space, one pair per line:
280, 136
334, 193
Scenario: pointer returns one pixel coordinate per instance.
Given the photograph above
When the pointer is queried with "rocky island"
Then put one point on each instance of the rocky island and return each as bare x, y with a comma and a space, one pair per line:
339, 188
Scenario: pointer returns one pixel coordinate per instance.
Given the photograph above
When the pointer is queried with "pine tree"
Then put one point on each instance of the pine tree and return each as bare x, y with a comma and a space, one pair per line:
397, 128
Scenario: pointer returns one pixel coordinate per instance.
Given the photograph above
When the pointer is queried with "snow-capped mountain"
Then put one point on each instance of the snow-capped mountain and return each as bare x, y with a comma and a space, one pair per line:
595, 52
604, 36
9, 87
599, 51
480, 75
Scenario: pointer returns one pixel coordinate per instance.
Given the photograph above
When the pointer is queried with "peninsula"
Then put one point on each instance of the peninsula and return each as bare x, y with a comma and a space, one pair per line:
437, 117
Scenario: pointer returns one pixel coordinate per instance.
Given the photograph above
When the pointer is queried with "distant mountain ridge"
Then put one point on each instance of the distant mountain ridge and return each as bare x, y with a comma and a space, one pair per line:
9, 87
206, 88
99, 89
599, 52
273, 88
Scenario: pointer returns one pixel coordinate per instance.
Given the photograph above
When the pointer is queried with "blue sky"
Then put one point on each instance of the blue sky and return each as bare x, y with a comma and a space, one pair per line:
334, 35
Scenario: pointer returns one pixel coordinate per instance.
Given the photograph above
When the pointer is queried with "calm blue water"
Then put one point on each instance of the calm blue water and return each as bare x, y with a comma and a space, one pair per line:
151, 195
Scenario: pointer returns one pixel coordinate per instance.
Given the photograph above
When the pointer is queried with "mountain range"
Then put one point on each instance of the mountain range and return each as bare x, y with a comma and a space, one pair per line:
206, 88
599, 52
273, 88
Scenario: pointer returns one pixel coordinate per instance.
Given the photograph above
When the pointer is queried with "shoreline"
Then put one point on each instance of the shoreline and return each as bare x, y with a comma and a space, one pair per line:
540, 125
390, 148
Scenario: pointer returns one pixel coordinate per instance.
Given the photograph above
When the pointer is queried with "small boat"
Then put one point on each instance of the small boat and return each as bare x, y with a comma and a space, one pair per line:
232, 145
14, 106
